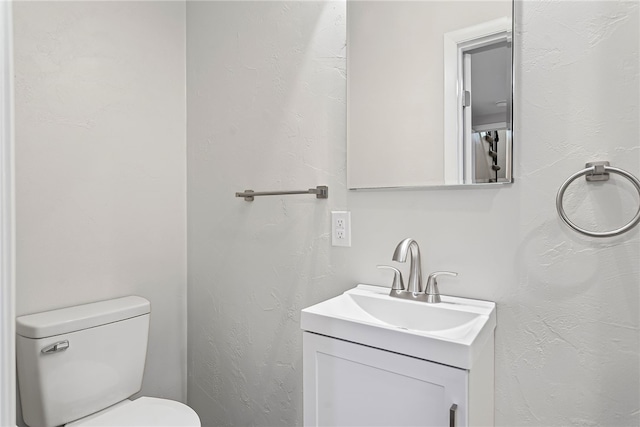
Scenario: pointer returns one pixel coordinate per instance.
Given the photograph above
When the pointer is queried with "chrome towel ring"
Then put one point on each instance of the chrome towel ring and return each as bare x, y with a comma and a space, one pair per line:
597, 171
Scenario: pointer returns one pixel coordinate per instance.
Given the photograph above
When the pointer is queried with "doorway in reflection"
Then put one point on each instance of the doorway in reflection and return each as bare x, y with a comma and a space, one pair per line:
486, 112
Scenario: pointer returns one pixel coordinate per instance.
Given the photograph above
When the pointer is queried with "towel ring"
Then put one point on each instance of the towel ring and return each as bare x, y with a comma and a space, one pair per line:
597, 171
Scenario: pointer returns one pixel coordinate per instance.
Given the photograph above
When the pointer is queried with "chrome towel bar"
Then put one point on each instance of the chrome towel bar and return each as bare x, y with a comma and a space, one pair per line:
321, 192
597, 171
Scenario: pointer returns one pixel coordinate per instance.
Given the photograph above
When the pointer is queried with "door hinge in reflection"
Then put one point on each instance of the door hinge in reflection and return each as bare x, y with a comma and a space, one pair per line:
466, 99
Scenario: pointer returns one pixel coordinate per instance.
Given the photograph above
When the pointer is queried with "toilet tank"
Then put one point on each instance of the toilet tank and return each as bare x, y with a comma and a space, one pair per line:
78, 360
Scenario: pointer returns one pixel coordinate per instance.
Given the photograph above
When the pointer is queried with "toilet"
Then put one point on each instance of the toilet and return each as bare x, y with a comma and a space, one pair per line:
78, 367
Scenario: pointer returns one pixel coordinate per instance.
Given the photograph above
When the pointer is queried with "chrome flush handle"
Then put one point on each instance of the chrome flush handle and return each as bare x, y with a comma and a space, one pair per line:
56, 347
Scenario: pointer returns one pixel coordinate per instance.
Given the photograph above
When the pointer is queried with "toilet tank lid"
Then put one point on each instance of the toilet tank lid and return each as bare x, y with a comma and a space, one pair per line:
76, 318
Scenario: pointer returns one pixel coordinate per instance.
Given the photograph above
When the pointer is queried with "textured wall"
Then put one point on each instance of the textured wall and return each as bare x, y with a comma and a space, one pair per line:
266, 92
100, 165
569, 342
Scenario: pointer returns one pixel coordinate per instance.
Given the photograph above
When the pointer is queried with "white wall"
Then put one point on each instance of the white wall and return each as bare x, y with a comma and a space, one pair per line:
266, 90
266, 108
100, 164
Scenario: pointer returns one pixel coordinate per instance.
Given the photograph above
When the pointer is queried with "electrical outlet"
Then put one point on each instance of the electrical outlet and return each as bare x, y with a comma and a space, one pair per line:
341, 228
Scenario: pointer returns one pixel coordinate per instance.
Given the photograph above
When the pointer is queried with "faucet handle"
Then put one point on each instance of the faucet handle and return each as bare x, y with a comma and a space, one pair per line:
398, 283
432, 291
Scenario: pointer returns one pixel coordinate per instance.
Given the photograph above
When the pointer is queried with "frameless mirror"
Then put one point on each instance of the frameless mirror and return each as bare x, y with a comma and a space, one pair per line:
429, 93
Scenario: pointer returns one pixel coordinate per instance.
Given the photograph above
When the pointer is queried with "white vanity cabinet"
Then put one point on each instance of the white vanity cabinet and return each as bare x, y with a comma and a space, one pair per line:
349, 384
371, 359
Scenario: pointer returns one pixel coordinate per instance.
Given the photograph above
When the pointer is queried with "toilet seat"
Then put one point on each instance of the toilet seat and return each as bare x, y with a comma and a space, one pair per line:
142, 412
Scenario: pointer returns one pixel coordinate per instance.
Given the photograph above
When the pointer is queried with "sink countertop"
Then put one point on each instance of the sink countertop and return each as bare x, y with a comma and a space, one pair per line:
451, 332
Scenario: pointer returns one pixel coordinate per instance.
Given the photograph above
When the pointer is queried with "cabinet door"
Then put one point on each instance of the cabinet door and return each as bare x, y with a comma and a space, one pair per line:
347, 384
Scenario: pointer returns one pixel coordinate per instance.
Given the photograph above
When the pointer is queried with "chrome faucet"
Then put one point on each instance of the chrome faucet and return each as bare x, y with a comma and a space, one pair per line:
415, 273
414, 289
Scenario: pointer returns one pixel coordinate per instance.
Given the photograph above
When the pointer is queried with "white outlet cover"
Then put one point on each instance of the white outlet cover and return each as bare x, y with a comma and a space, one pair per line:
341, 228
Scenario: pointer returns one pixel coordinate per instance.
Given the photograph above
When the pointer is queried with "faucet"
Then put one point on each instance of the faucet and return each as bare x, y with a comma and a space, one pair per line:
414, 289
415, 274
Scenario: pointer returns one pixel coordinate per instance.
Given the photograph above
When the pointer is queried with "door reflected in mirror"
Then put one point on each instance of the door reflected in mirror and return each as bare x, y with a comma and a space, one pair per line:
429, 93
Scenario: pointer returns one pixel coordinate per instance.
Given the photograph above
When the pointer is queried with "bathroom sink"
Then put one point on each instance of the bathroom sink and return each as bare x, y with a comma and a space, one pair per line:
451, 332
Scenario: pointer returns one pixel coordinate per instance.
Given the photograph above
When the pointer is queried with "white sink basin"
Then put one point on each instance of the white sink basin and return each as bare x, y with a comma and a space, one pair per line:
451, 332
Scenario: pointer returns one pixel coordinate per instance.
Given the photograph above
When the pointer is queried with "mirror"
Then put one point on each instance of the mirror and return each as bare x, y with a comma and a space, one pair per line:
429, 93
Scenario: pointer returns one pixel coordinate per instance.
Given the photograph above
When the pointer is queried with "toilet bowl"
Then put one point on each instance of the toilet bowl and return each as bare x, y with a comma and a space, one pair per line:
78, 366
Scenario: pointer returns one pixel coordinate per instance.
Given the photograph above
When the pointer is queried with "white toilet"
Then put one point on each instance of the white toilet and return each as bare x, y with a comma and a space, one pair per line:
78, 366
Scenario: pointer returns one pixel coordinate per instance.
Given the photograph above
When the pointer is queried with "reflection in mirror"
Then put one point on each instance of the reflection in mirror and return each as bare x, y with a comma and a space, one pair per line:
429, 93
478, 103
488, 156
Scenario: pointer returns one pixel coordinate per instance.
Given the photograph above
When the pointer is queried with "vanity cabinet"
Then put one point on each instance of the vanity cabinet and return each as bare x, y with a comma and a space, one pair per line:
372, 359
350, 384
